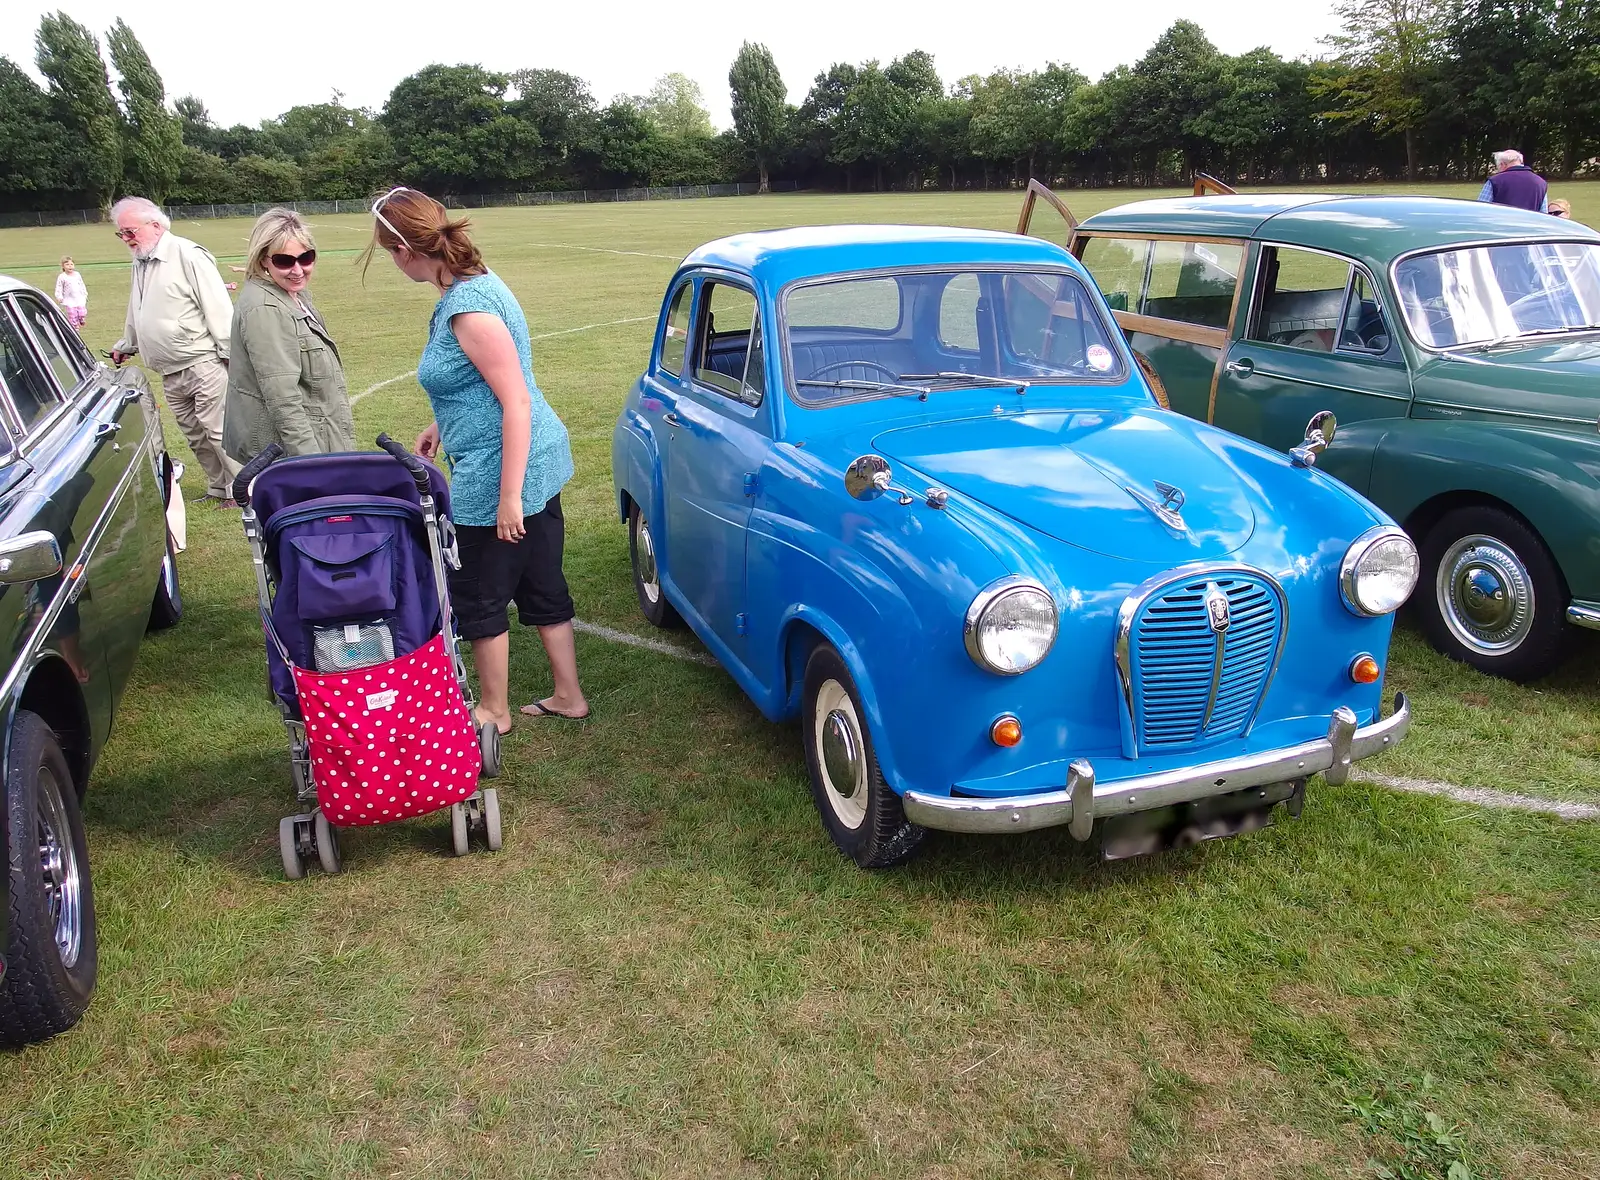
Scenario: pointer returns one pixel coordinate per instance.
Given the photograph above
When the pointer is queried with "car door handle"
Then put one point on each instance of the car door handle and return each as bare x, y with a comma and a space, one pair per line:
671, 419
1242, 367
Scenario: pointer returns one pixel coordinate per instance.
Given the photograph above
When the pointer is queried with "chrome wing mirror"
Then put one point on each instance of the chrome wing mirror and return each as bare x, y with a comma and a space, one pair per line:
29, 557
869, 477
1319, 433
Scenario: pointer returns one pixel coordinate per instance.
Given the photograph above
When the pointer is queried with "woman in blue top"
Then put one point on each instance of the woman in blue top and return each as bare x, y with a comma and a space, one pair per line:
508, 453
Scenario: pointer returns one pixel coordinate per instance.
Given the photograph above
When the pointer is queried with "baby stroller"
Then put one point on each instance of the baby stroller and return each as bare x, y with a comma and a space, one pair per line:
350, 552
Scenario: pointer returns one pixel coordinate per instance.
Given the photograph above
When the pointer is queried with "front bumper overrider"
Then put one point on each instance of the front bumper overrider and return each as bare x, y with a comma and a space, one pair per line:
1085, 801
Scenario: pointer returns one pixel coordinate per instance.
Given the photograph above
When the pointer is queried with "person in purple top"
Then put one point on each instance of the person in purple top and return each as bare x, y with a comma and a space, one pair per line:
1514, 183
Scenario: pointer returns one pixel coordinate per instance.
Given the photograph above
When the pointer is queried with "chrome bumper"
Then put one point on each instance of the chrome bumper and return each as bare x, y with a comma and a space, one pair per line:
1083, 801
1584, 614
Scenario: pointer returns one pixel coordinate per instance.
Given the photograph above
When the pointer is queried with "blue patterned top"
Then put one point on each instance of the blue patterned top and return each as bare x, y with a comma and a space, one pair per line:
469, 414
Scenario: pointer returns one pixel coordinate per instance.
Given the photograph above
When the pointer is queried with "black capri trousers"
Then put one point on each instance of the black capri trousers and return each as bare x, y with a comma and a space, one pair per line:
496, 573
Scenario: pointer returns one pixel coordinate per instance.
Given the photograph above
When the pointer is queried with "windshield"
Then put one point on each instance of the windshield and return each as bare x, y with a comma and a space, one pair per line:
1493, 293
890, 335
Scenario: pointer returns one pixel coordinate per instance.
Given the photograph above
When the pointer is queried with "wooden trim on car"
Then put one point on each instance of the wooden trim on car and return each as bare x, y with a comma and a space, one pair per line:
1233, 322
1204, 184
1035, 191
1172, 329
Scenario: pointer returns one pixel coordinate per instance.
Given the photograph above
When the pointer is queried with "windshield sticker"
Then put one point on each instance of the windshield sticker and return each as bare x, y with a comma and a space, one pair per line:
1099, 358
1206, 255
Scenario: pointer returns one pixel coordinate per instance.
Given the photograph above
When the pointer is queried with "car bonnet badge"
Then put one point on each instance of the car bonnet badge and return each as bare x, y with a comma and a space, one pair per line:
1218, 613
1164, 504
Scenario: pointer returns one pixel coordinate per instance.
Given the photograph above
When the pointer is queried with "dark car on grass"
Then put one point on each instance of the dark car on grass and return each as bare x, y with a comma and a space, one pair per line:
86, 566
1457, 344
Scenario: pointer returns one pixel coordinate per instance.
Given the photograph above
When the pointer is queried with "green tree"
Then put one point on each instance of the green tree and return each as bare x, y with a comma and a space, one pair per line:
260, 178
1388, 51
452, 133
303, 130
560, 108
68, 55
760, 105
35, 151
152, 135
676, 106
1178, 81
623, 148
204, 179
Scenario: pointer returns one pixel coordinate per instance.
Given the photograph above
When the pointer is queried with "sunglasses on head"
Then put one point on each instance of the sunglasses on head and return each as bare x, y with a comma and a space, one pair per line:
287, 261
377, 207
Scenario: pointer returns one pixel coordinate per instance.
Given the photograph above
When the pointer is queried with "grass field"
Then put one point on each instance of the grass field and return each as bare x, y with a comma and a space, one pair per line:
670, 972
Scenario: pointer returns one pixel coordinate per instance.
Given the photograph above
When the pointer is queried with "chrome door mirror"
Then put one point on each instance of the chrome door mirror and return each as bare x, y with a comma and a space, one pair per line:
867, 477
29, 557
1319, 433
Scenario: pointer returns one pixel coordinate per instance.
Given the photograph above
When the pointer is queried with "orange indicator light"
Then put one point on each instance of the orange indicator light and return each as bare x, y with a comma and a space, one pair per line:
1365, 670
1007, 732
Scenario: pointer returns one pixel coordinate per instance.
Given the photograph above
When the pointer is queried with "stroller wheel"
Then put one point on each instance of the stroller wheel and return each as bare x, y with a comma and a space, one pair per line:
491, 818
289, 846
327, 844
458, 828
489, 748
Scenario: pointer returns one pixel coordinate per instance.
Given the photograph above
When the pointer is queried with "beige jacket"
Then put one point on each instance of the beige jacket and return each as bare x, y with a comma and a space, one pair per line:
179, 311
285, 383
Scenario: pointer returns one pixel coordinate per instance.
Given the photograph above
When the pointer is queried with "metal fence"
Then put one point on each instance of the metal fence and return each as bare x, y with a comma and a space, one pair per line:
676, 192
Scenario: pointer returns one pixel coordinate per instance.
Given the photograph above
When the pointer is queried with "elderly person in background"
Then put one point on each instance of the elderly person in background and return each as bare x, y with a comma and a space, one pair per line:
285, 383
178, 318
1514, 183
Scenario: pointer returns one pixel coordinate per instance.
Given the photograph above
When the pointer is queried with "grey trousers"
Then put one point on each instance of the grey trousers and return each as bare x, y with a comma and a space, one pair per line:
197, 395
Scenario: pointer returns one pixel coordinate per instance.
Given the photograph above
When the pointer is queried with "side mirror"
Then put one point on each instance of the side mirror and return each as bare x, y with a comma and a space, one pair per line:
29, 557
867, 477
1319, 433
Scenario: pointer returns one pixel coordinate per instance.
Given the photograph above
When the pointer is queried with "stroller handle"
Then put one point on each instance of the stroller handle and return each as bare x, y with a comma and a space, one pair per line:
419, 471
248, 473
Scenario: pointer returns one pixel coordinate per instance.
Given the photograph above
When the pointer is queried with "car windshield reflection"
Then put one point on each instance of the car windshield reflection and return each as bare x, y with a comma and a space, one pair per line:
1493, 294
923, 331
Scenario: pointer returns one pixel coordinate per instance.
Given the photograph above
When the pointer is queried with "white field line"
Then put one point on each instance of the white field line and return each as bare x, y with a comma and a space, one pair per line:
637, 319
1478, 796
601, 250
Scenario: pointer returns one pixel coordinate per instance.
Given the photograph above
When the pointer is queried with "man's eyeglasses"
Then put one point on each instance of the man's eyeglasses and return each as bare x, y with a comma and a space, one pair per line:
287, 261
127, 235
377, 211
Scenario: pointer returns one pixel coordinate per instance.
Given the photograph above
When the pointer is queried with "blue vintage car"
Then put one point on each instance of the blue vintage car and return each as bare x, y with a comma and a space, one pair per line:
910, 484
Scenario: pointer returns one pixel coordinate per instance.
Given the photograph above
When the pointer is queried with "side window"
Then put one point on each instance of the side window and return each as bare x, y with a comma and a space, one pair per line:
676, 342
33, 392
723, 345
1365, 329
1117, 265
65, 358
1193, 282
958, 314
1302, 298
872, 305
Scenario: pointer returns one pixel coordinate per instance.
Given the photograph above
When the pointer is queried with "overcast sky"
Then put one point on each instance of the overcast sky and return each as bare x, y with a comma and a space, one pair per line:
249, 62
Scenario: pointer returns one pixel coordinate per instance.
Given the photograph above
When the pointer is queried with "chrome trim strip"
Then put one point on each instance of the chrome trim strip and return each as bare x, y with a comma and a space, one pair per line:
1507, 413
1331, 756
70, 588
1358, 549
1584, 614
1276, 376
1122, 652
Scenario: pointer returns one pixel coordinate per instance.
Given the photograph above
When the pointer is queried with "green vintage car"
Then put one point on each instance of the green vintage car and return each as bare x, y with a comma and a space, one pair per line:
1456, 343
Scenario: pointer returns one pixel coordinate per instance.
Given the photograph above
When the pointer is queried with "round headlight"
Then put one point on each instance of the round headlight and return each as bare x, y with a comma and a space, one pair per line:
1379, 571
1011, 626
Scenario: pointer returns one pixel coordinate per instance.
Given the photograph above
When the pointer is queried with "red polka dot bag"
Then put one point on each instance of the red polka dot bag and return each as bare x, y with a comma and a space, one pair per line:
389, 741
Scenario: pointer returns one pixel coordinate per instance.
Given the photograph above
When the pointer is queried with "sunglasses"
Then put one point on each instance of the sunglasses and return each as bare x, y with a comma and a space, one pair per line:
287, 261
377, 207
127, 235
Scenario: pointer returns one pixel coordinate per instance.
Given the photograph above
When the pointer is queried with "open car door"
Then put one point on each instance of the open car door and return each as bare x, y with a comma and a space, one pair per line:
1045, 215
1209, 185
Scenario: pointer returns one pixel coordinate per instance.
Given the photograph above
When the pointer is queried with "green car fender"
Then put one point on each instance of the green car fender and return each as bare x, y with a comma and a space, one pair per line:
1551, 478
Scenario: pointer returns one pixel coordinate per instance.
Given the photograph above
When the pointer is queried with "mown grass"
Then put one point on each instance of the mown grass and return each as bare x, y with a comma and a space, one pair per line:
669, 972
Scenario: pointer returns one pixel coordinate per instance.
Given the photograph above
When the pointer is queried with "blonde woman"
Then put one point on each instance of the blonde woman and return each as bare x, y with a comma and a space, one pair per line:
285, 383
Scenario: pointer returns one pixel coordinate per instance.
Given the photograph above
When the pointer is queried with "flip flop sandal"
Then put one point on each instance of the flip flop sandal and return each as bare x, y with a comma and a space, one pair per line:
537, 709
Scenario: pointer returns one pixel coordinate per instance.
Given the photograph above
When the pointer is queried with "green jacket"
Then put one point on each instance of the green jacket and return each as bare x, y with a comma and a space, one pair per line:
285, 383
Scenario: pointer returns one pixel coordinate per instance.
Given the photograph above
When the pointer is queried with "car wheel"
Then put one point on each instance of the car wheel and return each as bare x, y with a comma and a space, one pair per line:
167, 608
858, 808
52, 957
647, 575
1491, 595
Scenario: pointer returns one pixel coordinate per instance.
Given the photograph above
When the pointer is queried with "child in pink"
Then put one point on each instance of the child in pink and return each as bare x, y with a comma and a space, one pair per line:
72, 294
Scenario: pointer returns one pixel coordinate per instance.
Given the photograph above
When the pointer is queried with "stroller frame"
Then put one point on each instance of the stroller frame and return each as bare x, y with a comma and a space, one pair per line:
309, 836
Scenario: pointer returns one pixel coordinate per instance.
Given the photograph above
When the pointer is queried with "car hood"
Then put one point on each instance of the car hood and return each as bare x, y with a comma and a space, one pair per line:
1542, 378
1088, 478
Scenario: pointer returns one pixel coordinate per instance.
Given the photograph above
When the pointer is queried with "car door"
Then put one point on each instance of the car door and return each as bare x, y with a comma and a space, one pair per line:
1316, 338
718, 437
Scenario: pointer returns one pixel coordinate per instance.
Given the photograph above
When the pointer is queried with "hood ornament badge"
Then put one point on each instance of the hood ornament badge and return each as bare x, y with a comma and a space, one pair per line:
1218, 613
1164, 504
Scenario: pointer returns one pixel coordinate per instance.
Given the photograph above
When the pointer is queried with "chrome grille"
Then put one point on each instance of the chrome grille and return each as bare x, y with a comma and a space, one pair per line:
1186, 687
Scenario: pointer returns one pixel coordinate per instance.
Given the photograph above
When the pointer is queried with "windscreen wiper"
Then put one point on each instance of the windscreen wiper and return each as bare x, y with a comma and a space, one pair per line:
1020, 385
1530, 333
921, 391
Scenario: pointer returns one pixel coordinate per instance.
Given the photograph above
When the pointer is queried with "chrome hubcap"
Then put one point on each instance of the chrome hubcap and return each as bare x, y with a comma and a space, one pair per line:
169, 576
842, 753
1485, 595
645, 550
58, 862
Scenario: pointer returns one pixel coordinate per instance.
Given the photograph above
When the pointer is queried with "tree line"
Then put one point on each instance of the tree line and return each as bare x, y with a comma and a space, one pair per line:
1419, 89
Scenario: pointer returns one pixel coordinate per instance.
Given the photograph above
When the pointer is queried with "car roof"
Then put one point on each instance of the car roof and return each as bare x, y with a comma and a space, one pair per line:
9, 284
1378, 228
776, 257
